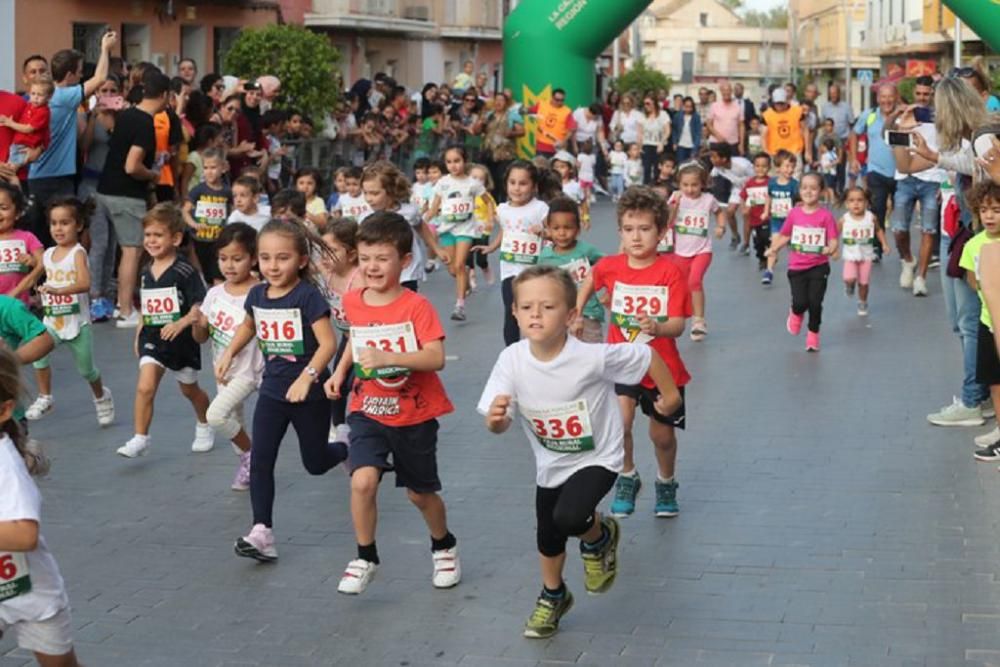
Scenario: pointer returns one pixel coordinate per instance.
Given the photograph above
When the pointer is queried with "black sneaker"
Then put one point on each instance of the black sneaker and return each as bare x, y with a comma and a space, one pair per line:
991, 453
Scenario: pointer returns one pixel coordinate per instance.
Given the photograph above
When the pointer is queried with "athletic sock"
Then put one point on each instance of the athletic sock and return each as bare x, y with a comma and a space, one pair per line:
446, 542
556, 594
368, 552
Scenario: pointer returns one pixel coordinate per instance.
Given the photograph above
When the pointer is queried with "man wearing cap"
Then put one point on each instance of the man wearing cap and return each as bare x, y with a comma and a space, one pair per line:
555, 122
787, 129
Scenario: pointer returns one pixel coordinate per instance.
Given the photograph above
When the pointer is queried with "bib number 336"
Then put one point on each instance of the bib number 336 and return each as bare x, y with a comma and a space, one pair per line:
564, 429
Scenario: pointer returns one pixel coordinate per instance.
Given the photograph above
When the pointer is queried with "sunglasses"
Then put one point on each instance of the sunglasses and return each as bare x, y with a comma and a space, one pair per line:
962, 72
219, 86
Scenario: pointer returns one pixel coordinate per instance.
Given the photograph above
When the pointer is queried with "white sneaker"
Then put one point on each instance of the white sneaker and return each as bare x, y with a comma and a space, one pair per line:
137, 446
919, 286
204, 438
988, 439
906, 275
986, 407
41, 407
130, 322
105, 406
357, 576
957, 414
35, 459
447, 569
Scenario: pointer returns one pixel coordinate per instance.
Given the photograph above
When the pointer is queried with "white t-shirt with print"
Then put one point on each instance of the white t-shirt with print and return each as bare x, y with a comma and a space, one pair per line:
573, 190
458, 204
353, 208
516, 221
858, 237
225, 313
586, 163
257, 220
20, 500
567, 399
618, 160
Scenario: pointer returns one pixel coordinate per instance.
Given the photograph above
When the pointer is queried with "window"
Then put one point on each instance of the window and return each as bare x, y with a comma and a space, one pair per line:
743, 54
703, 19
87, 39
223, 39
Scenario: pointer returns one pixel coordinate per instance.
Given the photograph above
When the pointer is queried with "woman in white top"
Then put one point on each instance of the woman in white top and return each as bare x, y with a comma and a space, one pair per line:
655, 132
626, 120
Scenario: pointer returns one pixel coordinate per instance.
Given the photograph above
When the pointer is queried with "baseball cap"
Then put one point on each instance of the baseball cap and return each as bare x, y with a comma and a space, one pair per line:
565, 156
779, 96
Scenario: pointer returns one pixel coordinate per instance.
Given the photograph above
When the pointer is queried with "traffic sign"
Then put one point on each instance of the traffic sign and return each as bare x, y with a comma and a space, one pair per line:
866, 77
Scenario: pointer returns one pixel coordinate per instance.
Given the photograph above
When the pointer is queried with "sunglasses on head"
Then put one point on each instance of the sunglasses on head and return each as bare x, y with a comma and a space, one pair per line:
962, 72
219, 86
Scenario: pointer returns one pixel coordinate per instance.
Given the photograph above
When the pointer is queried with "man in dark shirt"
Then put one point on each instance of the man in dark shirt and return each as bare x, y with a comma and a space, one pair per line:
124, 188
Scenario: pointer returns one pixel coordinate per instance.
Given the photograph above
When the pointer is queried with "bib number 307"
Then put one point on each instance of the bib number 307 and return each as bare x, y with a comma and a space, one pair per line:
279, 330
564, 429
15, 580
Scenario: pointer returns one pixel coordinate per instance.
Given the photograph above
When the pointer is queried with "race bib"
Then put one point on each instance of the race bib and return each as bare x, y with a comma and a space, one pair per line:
9, 252
456, 209
780, 207
692, 223
578, 269
337, 312
55, 305
630, 301
399, 338
755, 143
224, 320
355, 212
520, 248
666, 244
279, 331
563, 429
15, 580
160, 306
808, 240
212, 214
859, 233
757, 196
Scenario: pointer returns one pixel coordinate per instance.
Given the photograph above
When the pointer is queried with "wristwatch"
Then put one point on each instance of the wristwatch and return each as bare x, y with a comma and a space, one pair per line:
313, 373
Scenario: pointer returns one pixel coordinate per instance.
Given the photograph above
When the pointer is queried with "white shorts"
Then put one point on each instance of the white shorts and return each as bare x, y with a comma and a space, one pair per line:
184, 375
53, 636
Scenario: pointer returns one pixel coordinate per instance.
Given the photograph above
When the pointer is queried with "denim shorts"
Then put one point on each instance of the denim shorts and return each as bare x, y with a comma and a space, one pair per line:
909, 191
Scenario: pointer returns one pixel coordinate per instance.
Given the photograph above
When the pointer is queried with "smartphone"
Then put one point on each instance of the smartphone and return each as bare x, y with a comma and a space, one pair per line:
898, 138
112, 102
252, 85
923, 114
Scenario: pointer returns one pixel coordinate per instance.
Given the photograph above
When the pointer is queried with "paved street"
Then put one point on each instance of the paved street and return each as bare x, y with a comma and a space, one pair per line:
823, 521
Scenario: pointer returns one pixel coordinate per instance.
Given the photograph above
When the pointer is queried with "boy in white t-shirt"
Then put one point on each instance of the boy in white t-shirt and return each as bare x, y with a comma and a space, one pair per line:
352, 203
617, 159
564, 391
246, 203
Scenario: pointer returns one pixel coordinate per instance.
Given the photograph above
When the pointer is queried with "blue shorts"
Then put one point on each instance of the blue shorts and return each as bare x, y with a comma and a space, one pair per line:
413, 450
909, 191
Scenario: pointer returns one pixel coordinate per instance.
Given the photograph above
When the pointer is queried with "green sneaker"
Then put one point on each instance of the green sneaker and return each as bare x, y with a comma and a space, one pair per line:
666, 499
544, 620
599, 569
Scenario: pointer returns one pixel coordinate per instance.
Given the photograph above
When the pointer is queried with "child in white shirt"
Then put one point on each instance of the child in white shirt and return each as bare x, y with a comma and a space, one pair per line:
246, 204
617, 159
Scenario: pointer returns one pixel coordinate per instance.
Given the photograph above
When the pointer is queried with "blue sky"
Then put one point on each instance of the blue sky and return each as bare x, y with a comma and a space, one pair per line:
763, 4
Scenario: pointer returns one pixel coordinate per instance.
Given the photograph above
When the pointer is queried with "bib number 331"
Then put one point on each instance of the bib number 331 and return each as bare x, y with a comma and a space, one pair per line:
279, 330
399, 338
15, 580
564, 429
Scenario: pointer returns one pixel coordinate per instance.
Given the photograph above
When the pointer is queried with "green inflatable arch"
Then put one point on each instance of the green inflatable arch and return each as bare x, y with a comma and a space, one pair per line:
553, 44
983, 16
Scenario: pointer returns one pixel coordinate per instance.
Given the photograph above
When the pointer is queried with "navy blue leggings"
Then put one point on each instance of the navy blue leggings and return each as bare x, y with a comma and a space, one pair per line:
311, 421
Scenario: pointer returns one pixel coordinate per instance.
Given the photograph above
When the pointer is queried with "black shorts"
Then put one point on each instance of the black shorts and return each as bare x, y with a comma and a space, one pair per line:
178, 354
413, 450
209, 260
646, 398
987, 361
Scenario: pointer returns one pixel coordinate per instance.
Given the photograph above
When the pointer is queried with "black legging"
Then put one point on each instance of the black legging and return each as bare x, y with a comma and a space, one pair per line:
808, 289
338, 406
880, 191
480, 259
311, 421
511, 332
649, 164
568, 510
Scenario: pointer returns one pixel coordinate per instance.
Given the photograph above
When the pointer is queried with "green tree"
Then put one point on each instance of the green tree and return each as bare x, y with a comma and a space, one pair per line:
303, 60
776, 17
642, 79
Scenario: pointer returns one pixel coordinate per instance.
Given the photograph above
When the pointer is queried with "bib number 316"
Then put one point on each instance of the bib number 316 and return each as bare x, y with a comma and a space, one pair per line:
279, 330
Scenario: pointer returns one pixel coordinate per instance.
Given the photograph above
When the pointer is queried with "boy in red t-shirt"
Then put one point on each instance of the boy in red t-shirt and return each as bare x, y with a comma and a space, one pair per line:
31, 127
754, 197
650, 303
397, 345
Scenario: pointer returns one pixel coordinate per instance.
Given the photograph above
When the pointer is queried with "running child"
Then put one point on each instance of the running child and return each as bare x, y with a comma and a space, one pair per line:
690, 210
34, 606
754, 198
828, 161
291, 321
564, 391
423, 189
246, 204
20, 251
222, 313
206, 211
812, 232
649, 305
858, 233
564, 164
397, 345
617, 159
386, 189
666, 170
485, 214
352, 204
576, 257
307, 182
454, 206
519, 235
170, 297
66, 305
782, 194
586, 167
633, 165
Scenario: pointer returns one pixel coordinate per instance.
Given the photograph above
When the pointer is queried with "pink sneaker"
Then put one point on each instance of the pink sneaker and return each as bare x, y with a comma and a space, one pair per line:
242, 480
794, 323
812, 341
259, 544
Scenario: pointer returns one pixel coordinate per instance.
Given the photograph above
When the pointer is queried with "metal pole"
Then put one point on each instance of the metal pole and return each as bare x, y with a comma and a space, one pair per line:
958, 42
616, 55
847, 54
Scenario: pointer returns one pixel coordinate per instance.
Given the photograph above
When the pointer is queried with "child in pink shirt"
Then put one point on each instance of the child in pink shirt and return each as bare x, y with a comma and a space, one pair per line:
690, 212
812, 233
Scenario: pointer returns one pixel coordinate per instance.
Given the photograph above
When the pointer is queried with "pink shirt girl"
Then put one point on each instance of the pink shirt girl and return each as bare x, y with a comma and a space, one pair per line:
693, 227
809, 234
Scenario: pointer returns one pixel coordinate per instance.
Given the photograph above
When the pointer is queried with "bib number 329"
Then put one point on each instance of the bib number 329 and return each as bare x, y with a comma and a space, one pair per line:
628, 302
279, 331
564, 429
15, 580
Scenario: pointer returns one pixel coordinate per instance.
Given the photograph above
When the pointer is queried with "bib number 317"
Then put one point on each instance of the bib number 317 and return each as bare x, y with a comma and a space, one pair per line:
15, 580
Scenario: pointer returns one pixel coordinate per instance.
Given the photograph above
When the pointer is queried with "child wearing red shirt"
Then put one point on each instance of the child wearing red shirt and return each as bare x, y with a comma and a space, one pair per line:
754, 197
650, 303
31, 127
397, 345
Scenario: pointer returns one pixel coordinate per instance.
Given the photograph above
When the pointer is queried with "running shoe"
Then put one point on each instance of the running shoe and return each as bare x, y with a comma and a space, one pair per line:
957, 414
101, 310
626, 491
812, 341
794, 323
699, 330
204, 438
666, 499
766, 278
919, 286
241, 482
544, 620
42, 406
991, 453
906, 274
862, 309
458, 314
129, 322
137, 446
259, 544
447, 569
357, 576
105, 408
601, 567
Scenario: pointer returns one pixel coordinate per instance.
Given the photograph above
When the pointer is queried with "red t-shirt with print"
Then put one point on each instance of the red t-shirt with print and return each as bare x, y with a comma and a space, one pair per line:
615, 270
401, 399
